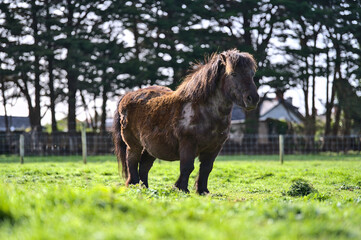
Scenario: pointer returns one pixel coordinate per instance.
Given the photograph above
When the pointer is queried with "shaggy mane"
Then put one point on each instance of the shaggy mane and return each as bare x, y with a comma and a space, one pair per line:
202, 82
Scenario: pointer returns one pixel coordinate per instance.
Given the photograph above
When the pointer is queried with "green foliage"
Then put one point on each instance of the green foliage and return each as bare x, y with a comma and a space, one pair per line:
300, 188
61, 198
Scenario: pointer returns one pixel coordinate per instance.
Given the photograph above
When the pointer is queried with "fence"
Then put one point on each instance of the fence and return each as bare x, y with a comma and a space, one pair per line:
293, 144
58, 144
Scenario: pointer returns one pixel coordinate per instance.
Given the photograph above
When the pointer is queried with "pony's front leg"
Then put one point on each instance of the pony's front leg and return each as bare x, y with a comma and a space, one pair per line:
206, 166
187, 155
133, 159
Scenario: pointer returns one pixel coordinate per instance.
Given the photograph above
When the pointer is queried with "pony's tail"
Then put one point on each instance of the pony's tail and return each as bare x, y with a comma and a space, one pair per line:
120, 148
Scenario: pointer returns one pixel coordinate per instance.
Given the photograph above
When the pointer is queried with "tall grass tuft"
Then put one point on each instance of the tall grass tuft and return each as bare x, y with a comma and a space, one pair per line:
300, 188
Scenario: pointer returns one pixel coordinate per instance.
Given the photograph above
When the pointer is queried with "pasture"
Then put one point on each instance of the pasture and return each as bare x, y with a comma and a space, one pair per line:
61, 198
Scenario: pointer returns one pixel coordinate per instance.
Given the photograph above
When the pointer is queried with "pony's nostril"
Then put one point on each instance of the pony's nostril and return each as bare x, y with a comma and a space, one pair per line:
249, 98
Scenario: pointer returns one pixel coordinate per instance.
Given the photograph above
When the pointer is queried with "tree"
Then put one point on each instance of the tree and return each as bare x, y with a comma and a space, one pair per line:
251, 25
306, 28
23, 58
51, 32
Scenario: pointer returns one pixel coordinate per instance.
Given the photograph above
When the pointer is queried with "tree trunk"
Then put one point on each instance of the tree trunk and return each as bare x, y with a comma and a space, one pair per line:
25, 91
337, 71
96, 115
347, 124
72, 89
104, 105
3, 89
252, 126
329, 108
336, 125
306, 89
71, 71
36, 114
328, 101
50, 57
54, 127
314, 110
7, 126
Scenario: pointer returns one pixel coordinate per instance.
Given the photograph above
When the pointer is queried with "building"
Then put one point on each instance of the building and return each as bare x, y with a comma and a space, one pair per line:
273, 113
15, 123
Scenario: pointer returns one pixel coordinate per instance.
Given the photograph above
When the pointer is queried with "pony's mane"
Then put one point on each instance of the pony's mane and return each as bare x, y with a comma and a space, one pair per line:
201, 82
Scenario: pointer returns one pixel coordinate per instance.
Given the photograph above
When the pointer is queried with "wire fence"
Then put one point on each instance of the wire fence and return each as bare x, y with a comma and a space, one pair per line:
292, 144
63, 144
57, 144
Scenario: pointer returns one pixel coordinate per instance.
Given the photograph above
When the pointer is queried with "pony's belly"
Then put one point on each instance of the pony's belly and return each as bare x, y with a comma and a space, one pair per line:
163, 154
161, 150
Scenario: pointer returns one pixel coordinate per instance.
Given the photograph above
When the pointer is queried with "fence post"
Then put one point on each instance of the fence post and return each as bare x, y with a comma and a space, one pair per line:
21, 148
282, 147
83, 142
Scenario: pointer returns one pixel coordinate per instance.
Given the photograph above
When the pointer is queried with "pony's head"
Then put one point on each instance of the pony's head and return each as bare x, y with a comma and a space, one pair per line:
237, 83
232, 71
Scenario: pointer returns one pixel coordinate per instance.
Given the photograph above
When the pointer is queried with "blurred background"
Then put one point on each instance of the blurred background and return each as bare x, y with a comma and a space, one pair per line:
65, 63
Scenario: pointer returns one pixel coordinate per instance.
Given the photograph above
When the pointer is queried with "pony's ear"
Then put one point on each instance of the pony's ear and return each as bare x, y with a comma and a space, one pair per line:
223, 58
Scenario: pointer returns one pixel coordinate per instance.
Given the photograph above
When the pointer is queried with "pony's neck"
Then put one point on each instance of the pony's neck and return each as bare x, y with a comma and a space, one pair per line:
219, 103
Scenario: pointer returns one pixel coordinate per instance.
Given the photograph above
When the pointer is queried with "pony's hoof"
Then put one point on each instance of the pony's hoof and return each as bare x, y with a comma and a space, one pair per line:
130, 182
143, 184
203, 192
185, 190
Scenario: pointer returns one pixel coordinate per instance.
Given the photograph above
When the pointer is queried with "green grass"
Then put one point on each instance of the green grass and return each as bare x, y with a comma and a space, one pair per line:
61, 198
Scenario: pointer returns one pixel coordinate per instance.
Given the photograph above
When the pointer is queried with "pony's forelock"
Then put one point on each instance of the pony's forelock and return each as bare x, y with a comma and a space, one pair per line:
235, 58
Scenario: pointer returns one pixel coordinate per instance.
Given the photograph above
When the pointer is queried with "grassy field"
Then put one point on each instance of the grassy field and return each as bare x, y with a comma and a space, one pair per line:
61, 198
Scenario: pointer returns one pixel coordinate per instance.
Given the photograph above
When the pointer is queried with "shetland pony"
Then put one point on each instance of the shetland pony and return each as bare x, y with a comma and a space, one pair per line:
194, 120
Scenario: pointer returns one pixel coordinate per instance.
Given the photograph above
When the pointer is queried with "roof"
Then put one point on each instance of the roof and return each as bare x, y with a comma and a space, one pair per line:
237, 114
15, 123
271, 108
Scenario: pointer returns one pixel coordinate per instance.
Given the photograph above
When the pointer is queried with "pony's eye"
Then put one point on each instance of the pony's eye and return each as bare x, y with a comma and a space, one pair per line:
234, 74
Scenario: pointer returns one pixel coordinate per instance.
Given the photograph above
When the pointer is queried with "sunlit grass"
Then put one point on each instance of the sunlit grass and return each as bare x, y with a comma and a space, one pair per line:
61, 198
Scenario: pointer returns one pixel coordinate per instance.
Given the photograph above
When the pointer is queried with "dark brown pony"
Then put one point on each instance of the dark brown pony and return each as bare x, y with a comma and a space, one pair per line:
194, 120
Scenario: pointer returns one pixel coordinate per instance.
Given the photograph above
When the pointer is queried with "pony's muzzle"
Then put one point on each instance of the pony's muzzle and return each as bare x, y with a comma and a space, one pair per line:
251, 100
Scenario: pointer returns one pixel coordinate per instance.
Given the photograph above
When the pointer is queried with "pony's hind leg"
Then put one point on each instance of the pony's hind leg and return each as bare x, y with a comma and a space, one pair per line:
146, 163
133, 159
